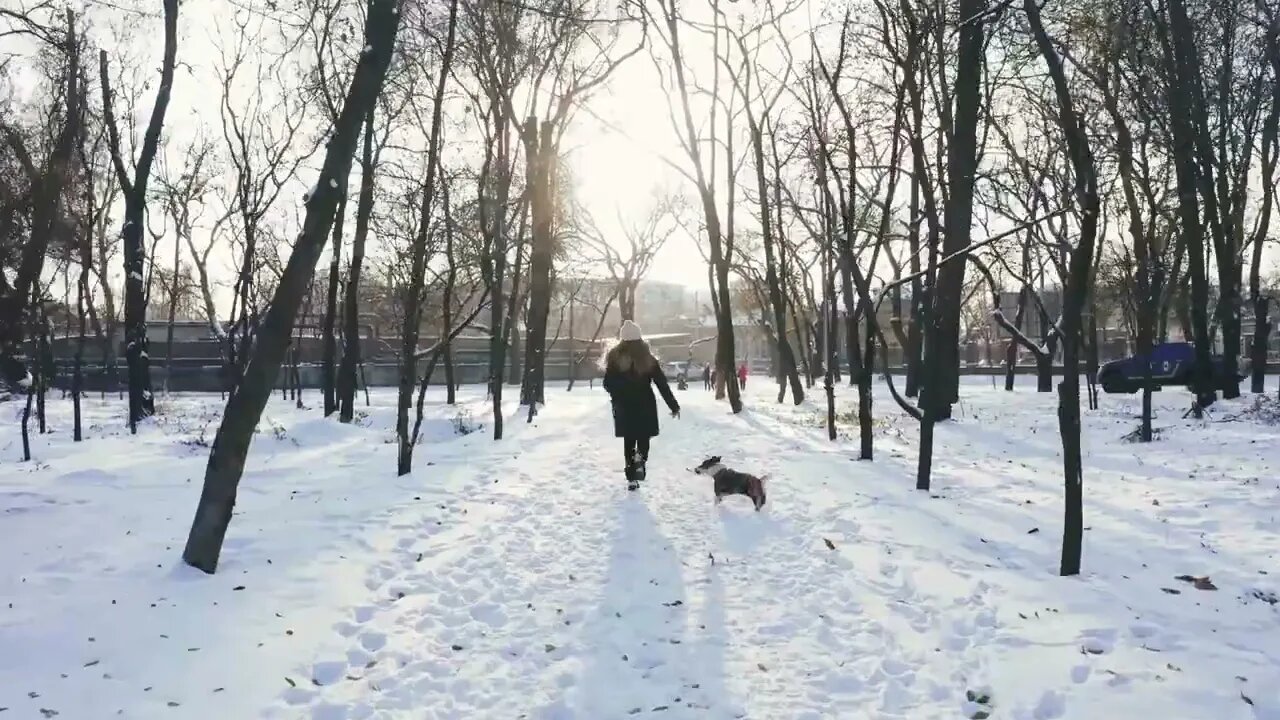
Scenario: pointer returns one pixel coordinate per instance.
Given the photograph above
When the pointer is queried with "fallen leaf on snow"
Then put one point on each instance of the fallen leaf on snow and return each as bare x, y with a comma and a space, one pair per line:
1200, 583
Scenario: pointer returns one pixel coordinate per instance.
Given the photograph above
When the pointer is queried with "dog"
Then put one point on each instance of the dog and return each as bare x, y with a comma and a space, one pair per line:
732, 482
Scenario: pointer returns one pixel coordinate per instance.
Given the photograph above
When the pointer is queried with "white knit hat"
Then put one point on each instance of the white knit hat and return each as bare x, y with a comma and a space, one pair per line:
629, 331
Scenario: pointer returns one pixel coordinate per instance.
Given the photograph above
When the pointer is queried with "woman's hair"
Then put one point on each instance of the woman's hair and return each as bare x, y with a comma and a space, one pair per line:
631, 356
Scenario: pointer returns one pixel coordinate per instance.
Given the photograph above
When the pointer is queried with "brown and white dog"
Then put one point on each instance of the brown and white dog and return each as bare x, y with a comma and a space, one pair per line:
732, 482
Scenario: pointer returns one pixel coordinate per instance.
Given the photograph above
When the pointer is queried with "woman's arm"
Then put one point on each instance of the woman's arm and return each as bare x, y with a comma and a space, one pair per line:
660, 379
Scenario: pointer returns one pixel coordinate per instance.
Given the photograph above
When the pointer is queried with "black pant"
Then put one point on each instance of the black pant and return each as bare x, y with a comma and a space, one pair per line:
636, 453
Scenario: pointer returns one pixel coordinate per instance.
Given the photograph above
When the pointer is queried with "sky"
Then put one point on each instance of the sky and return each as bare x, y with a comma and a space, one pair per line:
614, 145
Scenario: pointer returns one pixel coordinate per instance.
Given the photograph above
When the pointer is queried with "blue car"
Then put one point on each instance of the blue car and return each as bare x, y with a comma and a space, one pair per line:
1171, 364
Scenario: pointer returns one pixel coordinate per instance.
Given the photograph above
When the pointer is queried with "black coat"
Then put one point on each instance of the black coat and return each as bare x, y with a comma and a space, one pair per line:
635, 410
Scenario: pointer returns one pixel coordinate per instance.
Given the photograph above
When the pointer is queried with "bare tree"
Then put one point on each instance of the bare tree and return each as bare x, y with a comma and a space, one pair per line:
244, 409
1087, 205
719, 231
628, 264
1270, 150
261, 146
418, 252
573, 78
141, 401
183, 200
47, 184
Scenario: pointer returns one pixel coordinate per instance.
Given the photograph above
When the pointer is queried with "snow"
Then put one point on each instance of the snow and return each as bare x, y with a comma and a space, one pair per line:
333, 183
521, 579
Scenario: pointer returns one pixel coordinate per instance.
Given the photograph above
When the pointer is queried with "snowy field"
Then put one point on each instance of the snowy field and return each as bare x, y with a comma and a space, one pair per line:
520, 580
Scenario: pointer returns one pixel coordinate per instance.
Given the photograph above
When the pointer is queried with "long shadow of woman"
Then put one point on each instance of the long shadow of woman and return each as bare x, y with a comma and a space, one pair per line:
639, 656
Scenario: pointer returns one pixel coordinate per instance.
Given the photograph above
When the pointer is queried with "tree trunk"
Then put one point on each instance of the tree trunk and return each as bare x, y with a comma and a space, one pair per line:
26, 424
1075, 293
44, 365
1177, 51
627, 300
943, 360
1270, 159
244, 409
1044, 373
351, 300
329, 337
540, 159
911, 351
141, 401
451, 278
77, 378
173, 315
418, 261
46, 209
866, 426
786, 357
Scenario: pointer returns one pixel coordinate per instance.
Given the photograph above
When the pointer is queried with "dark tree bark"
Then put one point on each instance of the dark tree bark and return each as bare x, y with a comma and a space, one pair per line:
719, 236
943, 351
418, 259
1074, 294
451, 395
450, 283
46, 209
244, 408
44, 363
1024, 295
351, 300
328, 331
914, 345
77, 377
141, 401
1270, 143
493, 262
26, 425
517, 307
772, 260
540, 149
1147, 278
1178, 48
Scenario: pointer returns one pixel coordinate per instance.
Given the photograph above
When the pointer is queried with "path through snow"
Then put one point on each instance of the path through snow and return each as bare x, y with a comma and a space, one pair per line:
565, 596
521, 579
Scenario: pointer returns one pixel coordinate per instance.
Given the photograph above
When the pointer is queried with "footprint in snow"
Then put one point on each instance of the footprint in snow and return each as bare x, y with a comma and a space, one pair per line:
373, 641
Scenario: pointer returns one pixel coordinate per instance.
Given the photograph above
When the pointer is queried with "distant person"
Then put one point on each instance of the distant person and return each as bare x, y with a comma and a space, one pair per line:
630, 373
706, 376
742, 375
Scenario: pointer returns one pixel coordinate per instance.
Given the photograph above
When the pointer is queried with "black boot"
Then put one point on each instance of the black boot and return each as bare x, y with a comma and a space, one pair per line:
633, 483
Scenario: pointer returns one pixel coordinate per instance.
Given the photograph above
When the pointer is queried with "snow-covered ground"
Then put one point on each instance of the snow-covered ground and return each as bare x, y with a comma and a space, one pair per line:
520, 580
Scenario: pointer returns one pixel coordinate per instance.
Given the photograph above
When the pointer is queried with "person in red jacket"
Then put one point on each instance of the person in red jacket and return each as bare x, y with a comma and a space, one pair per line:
742, 375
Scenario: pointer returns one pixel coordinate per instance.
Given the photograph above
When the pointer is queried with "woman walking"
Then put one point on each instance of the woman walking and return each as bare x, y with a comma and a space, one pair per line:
630, 372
